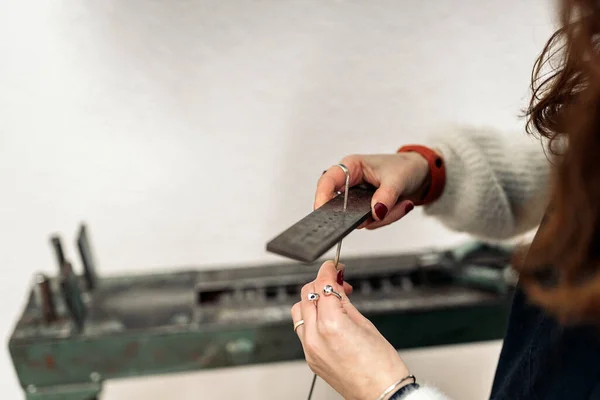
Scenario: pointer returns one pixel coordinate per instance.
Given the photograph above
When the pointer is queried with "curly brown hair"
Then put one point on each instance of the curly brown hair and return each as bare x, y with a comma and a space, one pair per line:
565, 105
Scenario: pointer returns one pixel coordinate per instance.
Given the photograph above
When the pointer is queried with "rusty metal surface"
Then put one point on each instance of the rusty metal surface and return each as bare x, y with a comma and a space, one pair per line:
45, 301
313, 235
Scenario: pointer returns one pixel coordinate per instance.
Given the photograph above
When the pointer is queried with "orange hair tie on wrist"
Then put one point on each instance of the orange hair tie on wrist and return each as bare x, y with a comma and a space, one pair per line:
437, 170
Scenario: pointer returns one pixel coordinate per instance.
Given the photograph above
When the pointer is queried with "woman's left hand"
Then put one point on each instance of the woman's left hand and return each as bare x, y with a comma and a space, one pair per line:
341, 345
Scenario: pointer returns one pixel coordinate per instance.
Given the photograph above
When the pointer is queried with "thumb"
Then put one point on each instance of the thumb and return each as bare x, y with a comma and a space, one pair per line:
384, 199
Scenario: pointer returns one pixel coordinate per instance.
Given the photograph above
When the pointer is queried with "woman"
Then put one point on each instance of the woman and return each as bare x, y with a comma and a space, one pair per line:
493, 187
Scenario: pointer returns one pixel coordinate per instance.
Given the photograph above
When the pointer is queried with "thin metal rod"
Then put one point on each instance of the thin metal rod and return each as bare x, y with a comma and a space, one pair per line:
312, 386
337, 253
347, 188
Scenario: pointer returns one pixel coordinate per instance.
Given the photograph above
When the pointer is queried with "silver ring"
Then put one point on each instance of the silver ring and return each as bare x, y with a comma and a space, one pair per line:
313, 297
328, 290
344, 168
297, 324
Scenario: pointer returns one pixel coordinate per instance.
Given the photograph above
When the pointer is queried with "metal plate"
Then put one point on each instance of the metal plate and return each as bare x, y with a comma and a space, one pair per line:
313, 235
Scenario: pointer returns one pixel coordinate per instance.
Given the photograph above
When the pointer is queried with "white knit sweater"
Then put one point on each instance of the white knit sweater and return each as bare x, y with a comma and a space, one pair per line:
496, 184
496, 188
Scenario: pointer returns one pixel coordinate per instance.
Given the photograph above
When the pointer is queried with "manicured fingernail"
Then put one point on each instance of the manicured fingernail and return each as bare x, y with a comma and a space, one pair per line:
408, 208
380, 210
340, 277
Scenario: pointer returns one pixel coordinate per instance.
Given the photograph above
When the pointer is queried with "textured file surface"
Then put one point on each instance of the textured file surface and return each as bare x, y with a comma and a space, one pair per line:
315, 234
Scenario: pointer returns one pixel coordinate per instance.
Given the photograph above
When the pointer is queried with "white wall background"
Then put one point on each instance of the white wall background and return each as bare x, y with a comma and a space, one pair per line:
191, 132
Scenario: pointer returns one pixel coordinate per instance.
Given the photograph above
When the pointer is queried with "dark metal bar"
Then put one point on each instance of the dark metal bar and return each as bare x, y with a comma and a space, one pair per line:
87, 258
58, 250
72, 294
315, 234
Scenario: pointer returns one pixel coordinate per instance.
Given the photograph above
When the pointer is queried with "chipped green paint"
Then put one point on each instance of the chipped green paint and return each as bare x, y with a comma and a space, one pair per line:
74, 360
127, 335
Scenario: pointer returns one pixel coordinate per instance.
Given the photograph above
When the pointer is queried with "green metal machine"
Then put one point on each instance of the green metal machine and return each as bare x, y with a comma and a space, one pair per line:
78, 330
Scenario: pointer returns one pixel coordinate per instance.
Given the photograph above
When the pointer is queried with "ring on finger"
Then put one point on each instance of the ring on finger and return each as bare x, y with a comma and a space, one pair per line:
297, 324
328, 290
313, 297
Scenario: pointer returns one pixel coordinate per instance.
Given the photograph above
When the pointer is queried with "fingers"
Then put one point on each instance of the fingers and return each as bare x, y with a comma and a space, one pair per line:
296, 312
366, 223
340, 279
334, 179
296, 317
399, 211
329, 314
348, 289
352, 312
326, 188
396, 177
308, 308
330, 306
385, 199
334, 314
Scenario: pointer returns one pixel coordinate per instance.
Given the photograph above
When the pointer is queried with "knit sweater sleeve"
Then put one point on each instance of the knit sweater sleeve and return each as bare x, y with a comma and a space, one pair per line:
496, 184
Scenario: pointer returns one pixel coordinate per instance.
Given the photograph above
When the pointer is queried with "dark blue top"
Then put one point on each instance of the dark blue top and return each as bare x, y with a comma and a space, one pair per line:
542, 360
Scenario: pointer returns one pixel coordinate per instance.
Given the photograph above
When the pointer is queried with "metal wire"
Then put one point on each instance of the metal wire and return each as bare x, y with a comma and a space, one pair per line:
312, 386
337, 253
347, 188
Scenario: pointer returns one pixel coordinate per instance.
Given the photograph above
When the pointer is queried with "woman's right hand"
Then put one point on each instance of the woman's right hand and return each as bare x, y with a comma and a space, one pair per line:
401, 179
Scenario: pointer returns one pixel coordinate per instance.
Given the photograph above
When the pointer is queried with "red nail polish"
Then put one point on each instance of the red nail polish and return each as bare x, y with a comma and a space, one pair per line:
380, 210
340, 277
408, 208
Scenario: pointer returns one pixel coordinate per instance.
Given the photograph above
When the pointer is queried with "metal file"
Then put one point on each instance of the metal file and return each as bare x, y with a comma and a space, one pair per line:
315, 234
